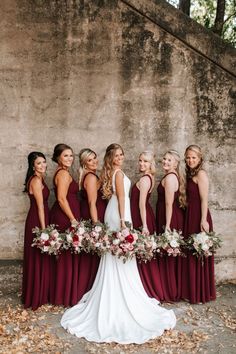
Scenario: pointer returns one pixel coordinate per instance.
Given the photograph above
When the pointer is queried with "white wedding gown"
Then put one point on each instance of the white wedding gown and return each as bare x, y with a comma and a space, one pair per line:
117, 308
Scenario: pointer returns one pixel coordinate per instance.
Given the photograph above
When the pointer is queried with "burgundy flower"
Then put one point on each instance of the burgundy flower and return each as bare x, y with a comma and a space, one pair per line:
129, 238
75, 238
47, 243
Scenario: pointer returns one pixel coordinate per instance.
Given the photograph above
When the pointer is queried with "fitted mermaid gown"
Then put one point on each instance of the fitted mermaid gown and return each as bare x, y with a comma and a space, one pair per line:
117, 308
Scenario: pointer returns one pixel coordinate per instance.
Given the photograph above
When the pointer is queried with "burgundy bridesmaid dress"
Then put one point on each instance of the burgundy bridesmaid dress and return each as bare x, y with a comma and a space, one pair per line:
149, 271
198, 284
67, 264
89, 263
170, 267
36, 265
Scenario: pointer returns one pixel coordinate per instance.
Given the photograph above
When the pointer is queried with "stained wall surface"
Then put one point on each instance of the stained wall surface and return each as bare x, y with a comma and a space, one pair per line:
89, 73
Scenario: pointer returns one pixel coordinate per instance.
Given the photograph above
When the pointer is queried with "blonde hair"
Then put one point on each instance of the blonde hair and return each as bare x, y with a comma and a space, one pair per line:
150, 157
83, 157
182, 179
191, 172
107, 170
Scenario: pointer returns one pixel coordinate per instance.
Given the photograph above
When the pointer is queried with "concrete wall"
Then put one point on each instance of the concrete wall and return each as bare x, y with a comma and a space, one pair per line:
89, 73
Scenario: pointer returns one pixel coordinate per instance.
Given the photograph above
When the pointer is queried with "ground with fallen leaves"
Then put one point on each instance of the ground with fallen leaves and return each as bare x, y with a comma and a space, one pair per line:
208, 328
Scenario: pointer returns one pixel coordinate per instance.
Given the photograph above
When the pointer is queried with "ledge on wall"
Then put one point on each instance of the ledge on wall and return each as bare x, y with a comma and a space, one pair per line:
182, 27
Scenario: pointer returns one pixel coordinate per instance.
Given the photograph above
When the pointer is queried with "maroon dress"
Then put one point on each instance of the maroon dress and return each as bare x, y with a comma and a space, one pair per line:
89, 263
170, 267
198, 283
36, 265
67, 264
149, 272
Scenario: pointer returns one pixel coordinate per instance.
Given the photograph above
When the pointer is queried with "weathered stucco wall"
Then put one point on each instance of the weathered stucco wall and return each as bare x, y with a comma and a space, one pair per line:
89, 73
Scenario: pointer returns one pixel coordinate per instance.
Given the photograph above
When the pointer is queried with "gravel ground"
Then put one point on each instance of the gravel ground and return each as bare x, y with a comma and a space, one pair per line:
208, 328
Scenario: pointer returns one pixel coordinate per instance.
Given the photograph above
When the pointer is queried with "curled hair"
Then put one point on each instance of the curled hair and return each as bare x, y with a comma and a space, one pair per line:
182, 179
107, 170
191, 172
150, 157
30, 171
83, 157
58, 150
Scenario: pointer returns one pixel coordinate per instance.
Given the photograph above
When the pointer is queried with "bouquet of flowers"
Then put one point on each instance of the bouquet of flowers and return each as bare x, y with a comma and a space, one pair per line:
98, 239
129, 243
48, 240
146, 247
169, 243
203, 243
75, 235
123, 243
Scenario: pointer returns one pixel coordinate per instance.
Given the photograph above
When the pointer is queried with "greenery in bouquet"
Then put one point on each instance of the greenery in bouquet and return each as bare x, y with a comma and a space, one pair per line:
48, 240
74, 236
203, 244
170, 243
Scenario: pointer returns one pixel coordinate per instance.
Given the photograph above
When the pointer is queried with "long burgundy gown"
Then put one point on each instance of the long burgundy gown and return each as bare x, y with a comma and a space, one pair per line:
170, 267
149, 271
36, 265
67, 264
198, 280
89, 262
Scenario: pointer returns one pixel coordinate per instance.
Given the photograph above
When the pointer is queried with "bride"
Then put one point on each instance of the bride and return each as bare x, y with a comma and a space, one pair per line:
117, 308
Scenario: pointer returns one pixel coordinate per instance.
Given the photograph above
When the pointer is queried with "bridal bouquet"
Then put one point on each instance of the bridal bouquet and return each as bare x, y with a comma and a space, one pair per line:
129, 243
98, 239
170, 243
203, 243
75, 235
48, 240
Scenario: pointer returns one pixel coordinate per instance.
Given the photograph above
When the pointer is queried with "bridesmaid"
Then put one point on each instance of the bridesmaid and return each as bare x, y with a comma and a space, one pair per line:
92, 207
199, 284
169, 216
36, 266
143, 218
65, 213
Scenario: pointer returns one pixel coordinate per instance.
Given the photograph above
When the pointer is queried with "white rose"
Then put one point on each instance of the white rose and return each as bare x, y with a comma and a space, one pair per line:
174, 243
98, 228
116, 242
69, 238
205, 247
81, 230
44, 236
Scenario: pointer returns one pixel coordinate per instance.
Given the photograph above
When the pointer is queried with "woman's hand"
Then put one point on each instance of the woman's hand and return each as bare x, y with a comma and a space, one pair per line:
145, 230
74, 223
204, 226
122, 224
167, 228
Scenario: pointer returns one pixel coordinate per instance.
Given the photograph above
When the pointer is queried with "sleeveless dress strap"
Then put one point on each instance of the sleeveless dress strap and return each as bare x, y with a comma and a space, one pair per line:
150, 181
171, 173
113, 179
29, 181
89, 173
56, 174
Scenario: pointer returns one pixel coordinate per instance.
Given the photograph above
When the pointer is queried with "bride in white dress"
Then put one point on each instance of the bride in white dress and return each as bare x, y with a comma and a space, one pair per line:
117, 308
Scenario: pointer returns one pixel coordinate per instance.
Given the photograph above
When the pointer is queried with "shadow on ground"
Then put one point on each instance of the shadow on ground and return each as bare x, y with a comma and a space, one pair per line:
204, 328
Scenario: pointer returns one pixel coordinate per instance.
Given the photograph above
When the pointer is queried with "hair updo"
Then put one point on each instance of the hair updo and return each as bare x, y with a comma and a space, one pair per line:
58, 150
